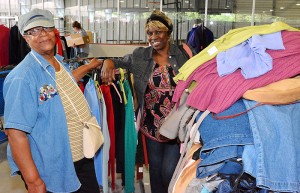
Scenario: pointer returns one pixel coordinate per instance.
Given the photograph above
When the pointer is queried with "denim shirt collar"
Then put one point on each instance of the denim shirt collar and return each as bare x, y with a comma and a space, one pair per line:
44, 63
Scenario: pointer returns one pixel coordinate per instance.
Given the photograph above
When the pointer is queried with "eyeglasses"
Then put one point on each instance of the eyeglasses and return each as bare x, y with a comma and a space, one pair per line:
38, 30
151, 33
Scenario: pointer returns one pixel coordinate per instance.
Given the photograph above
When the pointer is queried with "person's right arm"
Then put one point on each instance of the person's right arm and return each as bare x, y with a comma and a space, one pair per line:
21, 153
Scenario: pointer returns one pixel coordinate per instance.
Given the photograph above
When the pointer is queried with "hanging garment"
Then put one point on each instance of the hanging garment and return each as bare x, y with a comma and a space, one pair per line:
4, 40
130, 140
199, 38
91, 96
111, 127
18, 47
119, 112
59, 48
66, 49
106, 145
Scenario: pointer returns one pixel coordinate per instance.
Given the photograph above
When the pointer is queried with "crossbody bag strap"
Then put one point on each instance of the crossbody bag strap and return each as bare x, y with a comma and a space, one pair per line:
187, 50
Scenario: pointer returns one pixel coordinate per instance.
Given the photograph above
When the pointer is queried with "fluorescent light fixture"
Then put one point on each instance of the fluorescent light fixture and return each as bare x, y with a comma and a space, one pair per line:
281, 7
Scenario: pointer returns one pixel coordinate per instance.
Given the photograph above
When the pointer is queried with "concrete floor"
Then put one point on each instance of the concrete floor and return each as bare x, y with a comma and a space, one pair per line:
14, 184
8, 184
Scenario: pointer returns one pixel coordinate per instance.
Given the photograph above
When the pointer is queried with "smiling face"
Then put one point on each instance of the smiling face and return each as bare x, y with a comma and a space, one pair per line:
43, 43
158, 38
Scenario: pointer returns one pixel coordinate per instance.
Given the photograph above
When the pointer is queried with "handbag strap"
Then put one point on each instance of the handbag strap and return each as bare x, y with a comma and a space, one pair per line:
187, 49
188, 141
246, 111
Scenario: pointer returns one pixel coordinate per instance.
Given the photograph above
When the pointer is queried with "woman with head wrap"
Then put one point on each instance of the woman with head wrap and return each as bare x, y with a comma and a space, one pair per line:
153, 69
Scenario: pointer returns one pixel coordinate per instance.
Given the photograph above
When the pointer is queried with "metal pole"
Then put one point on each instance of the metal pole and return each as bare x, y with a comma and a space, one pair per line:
79, 12
205, 15
160, 5
9, 8
118, 24
177, 22
253, 13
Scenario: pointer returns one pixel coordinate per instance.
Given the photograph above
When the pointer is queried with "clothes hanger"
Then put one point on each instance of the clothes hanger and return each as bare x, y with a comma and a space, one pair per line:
113, 84
122, 84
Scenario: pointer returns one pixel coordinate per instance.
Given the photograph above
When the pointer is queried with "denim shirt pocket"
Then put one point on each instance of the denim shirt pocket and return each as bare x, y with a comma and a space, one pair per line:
46, 92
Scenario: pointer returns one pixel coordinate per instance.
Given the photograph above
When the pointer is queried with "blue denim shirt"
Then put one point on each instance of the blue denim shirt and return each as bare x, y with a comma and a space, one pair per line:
37, 110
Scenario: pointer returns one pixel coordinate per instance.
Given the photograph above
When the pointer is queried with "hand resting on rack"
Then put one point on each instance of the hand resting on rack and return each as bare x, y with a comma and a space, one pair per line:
82, 70
108, 72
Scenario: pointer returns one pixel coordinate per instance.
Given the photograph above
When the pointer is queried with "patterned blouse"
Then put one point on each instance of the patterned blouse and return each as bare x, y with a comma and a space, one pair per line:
158, 101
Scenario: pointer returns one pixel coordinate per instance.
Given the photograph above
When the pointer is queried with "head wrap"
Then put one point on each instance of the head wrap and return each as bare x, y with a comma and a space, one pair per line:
154, 17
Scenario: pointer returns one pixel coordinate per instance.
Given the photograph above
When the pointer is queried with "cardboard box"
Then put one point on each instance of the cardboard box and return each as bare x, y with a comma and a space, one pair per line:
76, 39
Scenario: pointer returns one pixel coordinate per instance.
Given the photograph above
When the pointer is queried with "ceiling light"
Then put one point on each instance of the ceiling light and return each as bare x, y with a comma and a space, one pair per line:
121, 1
186, 1
298, 4
281, 7
271, 10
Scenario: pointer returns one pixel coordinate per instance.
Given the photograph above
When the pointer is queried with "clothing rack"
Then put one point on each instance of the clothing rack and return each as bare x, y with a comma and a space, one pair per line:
8, 18
76, 62
117, 71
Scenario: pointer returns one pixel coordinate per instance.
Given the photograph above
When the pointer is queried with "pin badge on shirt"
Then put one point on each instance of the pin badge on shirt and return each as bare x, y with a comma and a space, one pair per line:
47, 92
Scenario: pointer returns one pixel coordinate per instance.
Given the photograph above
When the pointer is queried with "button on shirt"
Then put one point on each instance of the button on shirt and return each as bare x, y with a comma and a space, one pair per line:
32, 105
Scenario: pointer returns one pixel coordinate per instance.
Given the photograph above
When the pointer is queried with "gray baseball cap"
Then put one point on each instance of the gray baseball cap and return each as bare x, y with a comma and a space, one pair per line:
35, 18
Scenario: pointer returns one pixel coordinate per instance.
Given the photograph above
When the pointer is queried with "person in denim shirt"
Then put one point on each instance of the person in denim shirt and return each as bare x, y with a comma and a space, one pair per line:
35, 118
153, 69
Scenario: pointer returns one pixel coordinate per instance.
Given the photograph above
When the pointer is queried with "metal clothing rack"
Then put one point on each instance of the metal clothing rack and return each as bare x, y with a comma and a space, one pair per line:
15, 18
76, 62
